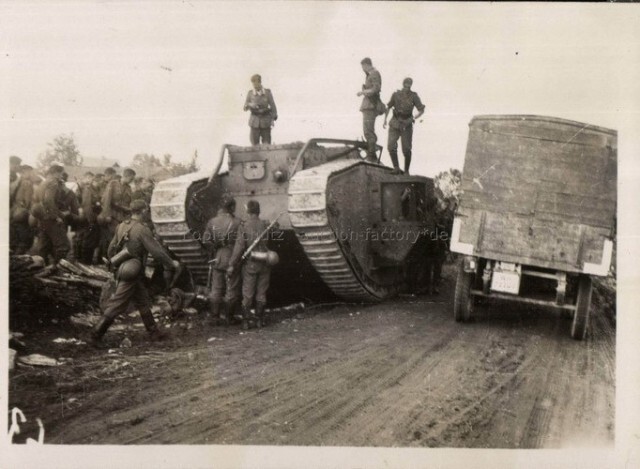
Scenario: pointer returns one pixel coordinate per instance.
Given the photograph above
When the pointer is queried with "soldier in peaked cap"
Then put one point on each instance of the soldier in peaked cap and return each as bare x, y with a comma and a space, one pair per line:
263, 112
401, 126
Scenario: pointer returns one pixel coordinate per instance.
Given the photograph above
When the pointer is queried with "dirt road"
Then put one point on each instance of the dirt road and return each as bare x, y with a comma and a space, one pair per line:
396, 374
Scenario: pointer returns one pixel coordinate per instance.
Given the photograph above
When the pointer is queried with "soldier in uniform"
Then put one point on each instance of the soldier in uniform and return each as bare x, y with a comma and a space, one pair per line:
143, 191
133, 235
91, 208
115, 200
52, 229
21, 234
14, 164
255, 274
263, 112
370, 106
220, 234
438, 246
401, 126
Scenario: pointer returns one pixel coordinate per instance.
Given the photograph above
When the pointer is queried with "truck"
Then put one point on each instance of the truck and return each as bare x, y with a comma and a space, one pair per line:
536, 218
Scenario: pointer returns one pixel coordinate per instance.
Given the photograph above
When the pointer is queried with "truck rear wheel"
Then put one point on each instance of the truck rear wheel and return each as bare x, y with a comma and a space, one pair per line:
463, 301
583, 307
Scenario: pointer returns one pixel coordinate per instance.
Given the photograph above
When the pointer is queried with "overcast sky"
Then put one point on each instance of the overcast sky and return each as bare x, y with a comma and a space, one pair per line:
171, 77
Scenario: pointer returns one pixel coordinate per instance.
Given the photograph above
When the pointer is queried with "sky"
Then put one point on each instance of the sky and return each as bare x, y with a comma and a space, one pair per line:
171, 77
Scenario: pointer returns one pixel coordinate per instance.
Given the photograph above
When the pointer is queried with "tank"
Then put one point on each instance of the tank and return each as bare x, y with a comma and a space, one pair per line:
347, 227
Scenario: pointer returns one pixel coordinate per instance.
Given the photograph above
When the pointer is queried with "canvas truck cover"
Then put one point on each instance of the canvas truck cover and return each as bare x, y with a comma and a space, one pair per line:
538, 191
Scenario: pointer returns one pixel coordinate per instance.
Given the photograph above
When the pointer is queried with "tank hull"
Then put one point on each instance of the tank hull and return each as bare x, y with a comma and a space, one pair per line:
333, 211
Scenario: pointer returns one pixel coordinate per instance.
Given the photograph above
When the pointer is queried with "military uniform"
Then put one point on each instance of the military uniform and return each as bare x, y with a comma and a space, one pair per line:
221, 233
91, 208
20, 233
370, 110
401, 125
437, 248
263, 114
52, 229
139, 241
115, 209
255, 274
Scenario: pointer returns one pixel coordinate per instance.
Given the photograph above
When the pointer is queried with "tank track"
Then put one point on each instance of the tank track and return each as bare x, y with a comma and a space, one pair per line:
168, 212
309, 218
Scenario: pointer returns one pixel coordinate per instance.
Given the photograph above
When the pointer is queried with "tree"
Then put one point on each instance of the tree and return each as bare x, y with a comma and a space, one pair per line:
62, 150
449, 185
150, 165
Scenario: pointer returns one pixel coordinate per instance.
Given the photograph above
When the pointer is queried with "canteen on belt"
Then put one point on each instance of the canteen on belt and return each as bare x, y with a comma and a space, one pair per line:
129, 270
271, 258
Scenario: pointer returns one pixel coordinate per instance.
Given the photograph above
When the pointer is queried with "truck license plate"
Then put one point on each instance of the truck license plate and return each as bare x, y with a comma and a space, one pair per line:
506, 282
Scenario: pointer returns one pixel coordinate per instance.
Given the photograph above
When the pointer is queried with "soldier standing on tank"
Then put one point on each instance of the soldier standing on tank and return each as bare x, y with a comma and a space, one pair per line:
401, 126
137, 238
263, 112
220, 234
20, 233
255, 274
370, 106
52, 229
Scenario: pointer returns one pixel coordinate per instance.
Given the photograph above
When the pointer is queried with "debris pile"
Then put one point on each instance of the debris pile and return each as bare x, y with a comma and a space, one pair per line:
65, 285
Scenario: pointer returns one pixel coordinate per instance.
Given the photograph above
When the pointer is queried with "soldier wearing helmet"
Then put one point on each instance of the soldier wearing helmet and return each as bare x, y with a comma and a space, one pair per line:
220, 234
263, 112
256, 274
127, 252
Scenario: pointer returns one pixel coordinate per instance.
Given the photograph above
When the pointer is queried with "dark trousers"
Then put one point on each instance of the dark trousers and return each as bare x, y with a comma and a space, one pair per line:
260, 134
224, 287
254, 285
406, 139
369, 130
89, 241
52, 240
107, 231
20, 237
125, 293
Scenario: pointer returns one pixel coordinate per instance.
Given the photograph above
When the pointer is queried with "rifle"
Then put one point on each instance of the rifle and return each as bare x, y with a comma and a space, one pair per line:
255, 243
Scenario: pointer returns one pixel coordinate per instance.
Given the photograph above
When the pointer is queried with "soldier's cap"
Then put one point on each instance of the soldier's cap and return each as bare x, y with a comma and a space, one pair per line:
128, 172
407, 80
366, 60
15, 160
138, 206
256, 78
253, 206
55, 169
24, 168
110, 171
228, 202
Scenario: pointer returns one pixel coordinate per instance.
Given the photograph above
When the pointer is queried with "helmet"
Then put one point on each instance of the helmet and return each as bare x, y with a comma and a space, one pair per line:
271, 258
129, 270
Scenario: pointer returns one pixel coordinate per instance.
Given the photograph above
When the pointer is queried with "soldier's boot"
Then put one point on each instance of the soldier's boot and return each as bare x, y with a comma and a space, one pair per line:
407, 162
224, 314
97, 332
247, 318
213, 315
371, 152
262, 314
155, 334
394, 160
233, 312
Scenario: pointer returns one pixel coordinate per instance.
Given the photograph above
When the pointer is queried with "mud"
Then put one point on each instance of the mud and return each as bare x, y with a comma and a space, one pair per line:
399, 374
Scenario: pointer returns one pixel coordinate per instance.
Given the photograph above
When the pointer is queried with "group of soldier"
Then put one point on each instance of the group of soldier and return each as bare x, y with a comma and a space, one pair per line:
46, 213
263, 114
